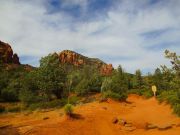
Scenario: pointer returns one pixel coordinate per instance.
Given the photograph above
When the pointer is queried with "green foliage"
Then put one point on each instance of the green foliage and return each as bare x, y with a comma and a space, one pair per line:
172, 97
175, 60
2, 109
13, 109
47, 105
74, 77
158, 79
115, 96
9, 94
28, 97
116, 86
3, 79
86, 80
49, 85
147, 93
176, 108
53, 104
51, 76
82, 88
74, 100
106, 85
29, 88
138, 80
10, 83
142, 92
95, 83
68, 109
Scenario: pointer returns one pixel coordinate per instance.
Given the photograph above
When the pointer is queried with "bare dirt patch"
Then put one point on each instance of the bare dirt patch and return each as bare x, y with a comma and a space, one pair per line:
96, 119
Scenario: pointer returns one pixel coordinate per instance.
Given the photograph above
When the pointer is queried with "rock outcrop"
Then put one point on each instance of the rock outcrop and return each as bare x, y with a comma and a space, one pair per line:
106, 69
78, 60
71, 57
6, 54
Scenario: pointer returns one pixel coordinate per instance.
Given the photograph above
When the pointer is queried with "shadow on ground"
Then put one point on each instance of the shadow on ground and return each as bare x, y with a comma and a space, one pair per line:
9, 131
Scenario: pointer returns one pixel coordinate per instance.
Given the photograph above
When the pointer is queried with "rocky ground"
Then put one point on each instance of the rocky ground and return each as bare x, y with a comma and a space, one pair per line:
138, 116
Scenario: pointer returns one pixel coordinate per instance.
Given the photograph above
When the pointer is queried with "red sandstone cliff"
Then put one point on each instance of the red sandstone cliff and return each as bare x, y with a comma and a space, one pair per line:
78, 60
6, 54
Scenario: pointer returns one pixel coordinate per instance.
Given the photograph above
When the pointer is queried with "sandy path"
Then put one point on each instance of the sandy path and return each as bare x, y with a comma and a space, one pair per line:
96, 119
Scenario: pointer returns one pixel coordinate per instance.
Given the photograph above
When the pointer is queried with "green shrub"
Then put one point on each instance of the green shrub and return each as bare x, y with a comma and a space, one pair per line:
82, 88
115, 96
9, 94
14, 109
27, 97
74, 100
171, 97
95, 83
142, 92
106, 85
176, 109
2, 109
68, 109
147, 93
135, 91
47, 105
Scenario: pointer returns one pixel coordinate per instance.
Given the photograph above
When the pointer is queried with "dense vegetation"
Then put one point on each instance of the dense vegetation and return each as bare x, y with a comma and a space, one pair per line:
51, 84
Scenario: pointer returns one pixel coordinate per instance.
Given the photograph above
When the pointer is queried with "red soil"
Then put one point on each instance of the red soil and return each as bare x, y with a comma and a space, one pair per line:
96, 119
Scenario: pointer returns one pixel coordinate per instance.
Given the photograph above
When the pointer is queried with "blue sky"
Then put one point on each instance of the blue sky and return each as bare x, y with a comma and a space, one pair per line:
133, 33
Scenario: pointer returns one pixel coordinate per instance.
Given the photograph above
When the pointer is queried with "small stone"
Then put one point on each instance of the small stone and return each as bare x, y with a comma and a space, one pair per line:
128, 125
45, 118
150, 126
105, 108
122, 122
164, 127
114, 120
130, 129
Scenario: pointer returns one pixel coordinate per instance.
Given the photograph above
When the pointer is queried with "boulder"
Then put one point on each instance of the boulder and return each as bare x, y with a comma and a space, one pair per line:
150, 126
115, 120
128, 125
105, 108
129, 129
122, 122
165, 126
45, 118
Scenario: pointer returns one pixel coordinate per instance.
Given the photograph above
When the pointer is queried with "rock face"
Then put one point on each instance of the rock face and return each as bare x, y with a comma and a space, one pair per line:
106, 69
71, 57
78, 60
6, 54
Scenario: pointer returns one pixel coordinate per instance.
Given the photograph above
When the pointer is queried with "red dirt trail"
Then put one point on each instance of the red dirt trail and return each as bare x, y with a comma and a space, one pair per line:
96, 119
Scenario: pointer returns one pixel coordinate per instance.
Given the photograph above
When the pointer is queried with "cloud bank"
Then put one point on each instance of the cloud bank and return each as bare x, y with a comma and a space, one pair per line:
131, 33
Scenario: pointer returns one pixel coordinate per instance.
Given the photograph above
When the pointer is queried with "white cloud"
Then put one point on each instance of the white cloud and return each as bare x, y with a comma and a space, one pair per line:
31, 31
